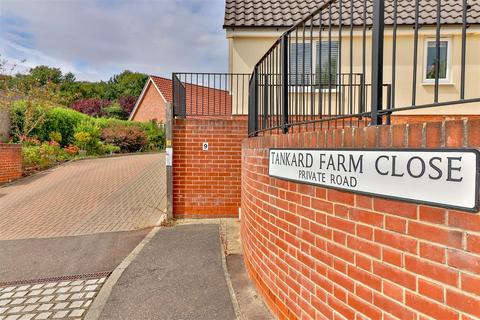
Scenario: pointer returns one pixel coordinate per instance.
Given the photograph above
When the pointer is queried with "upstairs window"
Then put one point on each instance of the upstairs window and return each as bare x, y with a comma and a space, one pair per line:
317, 67
430, 68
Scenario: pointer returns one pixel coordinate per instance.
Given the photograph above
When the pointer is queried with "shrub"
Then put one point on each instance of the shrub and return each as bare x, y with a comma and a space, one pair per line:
55, 136
25, 118
127, 138
114, 111
111, 149
72, 150
43, 156
31, 156
127, 103
87, 137
91, 107
82, 139
32, 141
61, 120
155, 135
111, 122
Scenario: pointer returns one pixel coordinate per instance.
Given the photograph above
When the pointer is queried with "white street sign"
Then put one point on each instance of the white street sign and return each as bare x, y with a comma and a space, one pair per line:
448, 178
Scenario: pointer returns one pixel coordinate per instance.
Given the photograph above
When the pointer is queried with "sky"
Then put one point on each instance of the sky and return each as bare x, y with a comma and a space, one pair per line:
95, 39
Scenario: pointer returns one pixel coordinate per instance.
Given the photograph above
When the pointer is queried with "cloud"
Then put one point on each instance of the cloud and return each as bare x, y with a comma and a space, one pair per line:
96, 38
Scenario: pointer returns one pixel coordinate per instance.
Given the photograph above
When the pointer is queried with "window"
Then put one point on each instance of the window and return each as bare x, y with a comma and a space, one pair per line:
300, 63
326, 68
305, 69
430, 68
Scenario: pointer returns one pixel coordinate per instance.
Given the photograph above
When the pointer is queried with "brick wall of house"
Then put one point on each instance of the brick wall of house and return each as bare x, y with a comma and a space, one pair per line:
10, 162
207, 183
152, 106
317, 253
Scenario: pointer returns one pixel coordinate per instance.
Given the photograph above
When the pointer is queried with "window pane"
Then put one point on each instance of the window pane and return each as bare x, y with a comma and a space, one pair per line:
326, 66
300, 63
431, 66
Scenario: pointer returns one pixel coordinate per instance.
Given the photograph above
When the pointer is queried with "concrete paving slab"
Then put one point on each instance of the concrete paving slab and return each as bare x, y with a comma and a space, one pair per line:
177, 275
53, 257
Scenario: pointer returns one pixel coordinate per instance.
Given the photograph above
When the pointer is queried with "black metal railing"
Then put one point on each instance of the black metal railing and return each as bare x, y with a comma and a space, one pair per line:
209, 94
331, 68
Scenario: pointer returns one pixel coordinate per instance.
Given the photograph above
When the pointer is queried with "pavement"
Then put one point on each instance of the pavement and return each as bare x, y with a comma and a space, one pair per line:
177, 275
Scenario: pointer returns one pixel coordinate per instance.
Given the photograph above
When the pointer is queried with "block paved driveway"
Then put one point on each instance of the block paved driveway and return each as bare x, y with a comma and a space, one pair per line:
85, 197
63, 231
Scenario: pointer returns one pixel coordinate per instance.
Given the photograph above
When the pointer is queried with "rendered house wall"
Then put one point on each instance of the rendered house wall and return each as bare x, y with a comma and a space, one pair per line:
247, 46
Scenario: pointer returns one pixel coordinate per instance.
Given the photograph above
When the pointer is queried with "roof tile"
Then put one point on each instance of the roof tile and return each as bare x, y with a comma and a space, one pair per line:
199, 99
285, 13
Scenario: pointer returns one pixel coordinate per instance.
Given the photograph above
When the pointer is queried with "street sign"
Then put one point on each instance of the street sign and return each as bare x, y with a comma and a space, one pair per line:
447, 178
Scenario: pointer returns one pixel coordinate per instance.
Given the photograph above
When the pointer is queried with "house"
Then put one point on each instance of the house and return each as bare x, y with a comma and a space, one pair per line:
151, 104
253, 26
199, 100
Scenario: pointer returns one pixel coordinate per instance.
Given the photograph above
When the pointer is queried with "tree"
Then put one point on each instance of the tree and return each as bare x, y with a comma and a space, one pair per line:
45, 74
126, 83
92, 107
68, 78
127, 103
29, 99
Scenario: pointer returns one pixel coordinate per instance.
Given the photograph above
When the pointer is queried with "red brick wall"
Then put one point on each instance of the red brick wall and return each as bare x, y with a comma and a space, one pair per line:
10, 162
318, 253
207, 183
404, 119
152, 106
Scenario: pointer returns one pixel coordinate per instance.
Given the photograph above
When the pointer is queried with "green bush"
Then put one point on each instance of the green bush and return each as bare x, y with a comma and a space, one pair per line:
55, 136
43, 156
115, 111
61, 120
25, 117
70, 128
155, 136
87, 137
110, 122
111, 149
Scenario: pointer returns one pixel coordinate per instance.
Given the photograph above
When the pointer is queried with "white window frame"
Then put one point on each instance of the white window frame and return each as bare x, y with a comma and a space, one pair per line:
293, 87
448, 78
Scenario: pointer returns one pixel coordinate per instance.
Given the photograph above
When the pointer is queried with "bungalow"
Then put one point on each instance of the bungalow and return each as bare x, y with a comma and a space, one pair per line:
157, 92
151, 104
253, 26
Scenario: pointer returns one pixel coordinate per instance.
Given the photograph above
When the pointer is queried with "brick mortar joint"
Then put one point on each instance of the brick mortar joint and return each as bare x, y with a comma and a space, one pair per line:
323, 135
420, 277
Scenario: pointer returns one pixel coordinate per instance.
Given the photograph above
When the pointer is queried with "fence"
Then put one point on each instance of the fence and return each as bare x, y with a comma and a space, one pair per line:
319, 72
209, 94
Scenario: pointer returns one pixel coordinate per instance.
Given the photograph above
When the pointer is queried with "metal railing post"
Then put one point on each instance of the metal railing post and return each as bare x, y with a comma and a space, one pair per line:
377, 60
265, 101
253, 104
179, 97
285, 76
